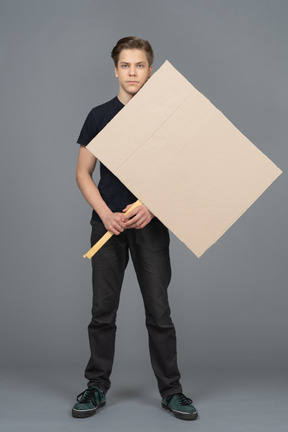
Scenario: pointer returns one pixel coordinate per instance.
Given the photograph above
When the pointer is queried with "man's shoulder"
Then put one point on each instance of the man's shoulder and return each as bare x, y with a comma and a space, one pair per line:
106, 106
102, 114
97, 119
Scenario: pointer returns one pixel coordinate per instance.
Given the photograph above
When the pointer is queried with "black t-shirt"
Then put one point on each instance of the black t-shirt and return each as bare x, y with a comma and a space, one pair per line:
113, 192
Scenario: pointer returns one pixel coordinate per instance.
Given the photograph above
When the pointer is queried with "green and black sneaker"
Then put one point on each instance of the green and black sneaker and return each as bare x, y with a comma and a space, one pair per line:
88, 402
180, 406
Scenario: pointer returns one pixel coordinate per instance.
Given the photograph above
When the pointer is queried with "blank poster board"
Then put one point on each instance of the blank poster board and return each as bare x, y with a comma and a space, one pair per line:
184, 159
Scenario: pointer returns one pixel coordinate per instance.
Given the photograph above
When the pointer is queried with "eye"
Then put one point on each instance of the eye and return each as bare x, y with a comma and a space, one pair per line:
141, 66
124, 66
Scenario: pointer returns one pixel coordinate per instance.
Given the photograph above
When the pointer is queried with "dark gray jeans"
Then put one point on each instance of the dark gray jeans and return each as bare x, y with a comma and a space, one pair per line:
149, 249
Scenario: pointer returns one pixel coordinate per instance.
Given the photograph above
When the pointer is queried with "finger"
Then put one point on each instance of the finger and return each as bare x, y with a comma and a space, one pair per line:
139, 224
127, 208
114, 231
120, 226
142, 224
131, 223
115, 228
132, 215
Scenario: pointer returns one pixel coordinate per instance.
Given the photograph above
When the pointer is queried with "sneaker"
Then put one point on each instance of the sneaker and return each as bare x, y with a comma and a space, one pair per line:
88, 402
180, 406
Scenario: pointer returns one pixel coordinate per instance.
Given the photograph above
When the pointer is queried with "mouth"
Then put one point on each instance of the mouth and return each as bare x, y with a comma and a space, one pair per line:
132, 82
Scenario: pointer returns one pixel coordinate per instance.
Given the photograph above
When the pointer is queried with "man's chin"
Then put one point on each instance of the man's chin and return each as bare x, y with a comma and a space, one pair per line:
132, 92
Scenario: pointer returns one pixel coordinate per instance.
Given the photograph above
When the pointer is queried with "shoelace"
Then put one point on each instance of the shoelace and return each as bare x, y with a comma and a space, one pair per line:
88, 395
182, 399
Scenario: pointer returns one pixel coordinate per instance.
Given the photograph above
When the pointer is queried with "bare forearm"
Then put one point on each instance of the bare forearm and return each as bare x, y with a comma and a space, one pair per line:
92, 195
112, 221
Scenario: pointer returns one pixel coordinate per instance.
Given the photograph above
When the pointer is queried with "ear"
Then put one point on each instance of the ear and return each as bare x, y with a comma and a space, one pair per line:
150, 71
116, 72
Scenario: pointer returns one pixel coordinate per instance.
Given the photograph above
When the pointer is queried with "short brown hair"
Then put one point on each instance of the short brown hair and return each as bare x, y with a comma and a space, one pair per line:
132, 42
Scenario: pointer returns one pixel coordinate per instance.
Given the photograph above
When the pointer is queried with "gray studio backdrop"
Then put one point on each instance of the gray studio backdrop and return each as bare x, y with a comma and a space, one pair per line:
229, 307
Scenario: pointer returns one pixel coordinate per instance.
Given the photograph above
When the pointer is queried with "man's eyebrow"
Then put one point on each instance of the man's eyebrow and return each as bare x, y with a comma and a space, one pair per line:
123, 62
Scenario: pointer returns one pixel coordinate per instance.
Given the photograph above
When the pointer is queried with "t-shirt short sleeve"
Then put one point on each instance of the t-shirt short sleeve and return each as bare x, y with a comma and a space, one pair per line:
89, 130
113, 192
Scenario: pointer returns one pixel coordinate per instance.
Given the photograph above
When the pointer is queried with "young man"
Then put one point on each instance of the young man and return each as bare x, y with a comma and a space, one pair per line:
139, 233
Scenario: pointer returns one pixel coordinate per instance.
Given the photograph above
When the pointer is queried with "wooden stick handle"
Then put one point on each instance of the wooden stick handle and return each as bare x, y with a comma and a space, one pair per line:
107, 236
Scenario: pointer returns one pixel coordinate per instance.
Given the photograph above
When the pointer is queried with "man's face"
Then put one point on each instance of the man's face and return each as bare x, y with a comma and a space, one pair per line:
132, 71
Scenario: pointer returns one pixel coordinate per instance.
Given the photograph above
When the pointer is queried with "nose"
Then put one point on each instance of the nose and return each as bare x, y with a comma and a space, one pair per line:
132, 71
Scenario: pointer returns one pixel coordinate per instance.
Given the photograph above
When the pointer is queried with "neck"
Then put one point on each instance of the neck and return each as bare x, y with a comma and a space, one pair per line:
124, 97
